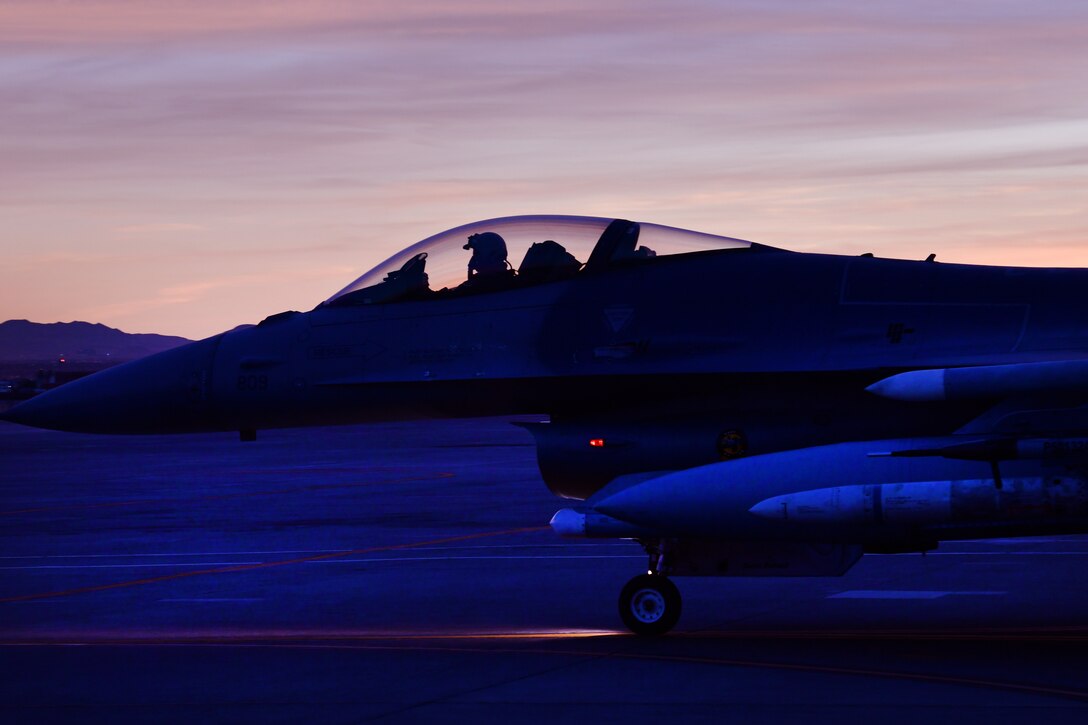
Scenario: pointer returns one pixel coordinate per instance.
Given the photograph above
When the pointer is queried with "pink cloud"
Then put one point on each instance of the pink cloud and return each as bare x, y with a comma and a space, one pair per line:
338, 132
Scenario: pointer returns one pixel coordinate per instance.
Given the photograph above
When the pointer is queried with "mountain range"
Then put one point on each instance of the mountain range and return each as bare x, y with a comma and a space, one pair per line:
24, 341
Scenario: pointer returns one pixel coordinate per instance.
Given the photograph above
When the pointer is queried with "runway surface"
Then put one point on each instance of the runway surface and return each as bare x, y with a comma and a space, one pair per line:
404, 573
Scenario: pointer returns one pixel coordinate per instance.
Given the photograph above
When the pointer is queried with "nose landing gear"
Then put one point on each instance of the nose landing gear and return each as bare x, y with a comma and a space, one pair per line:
650, 605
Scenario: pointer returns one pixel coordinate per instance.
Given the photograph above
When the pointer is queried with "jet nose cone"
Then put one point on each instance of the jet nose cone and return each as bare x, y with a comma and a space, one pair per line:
28, 412
164, 393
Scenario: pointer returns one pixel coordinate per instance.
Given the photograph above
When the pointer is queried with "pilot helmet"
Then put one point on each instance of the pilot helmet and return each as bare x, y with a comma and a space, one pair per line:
487, 244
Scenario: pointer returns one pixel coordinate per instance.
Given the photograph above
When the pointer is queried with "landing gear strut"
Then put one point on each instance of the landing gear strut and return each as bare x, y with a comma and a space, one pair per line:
650, 605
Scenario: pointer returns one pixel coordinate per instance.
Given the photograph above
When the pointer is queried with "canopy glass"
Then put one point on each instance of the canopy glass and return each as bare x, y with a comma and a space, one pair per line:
519, 251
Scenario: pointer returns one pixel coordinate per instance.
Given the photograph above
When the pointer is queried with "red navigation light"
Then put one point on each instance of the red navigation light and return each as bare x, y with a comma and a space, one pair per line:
596, 442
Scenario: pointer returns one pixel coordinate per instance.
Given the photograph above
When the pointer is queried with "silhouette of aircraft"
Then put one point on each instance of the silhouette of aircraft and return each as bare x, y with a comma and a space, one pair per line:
736, 409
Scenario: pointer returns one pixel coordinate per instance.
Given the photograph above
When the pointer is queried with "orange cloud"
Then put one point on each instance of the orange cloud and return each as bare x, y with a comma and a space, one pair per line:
146, 142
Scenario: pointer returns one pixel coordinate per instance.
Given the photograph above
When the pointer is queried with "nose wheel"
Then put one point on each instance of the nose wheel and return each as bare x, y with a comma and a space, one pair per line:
650, 605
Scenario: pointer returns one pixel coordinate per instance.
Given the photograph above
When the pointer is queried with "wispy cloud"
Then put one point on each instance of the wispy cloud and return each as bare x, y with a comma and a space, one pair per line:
160, 134
158, 228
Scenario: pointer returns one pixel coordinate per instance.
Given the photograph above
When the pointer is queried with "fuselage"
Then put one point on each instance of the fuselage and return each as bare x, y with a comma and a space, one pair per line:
739, 411
699, 325
777, 343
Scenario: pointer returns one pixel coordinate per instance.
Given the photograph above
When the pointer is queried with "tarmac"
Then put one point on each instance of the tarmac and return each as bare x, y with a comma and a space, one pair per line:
405, 573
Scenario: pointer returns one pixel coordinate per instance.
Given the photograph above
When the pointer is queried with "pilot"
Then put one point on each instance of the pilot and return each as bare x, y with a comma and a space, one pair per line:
488, 256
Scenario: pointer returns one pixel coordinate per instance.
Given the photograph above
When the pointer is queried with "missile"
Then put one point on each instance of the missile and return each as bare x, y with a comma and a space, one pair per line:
1002, 449
990, 381
932, 503
920, 502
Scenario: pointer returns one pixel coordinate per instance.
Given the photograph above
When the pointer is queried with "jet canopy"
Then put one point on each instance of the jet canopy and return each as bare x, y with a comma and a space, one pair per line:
512, 252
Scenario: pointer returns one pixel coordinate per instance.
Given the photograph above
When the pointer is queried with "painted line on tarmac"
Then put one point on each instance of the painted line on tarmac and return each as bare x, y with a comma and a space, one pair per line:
1007, 541
264, 565
470, 558
204, 600
169, 554
990, 553
626, 545
1067, 634
129, 566
226, 496
137, 565
595, 545
333, 557
304, 635
909, 594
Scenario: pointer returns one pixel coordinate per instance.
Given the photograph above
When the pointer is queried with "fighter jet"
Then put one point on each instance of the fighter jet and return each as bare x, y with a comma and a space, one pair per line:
734, 408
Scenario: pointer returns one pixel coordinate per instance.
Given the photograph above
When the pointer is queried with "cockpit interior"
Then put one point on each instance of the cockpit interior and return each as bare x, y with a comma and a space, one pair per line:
480, 257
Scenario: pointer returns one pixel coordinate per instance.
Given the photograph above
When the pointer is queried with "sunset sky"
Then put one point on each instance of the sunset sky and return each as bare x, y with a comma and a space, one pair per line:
185, 167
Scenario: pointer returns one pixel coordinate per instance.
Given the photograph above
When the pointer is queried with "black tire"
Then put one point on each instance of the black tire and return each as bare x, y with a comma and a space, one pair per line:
650, 605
